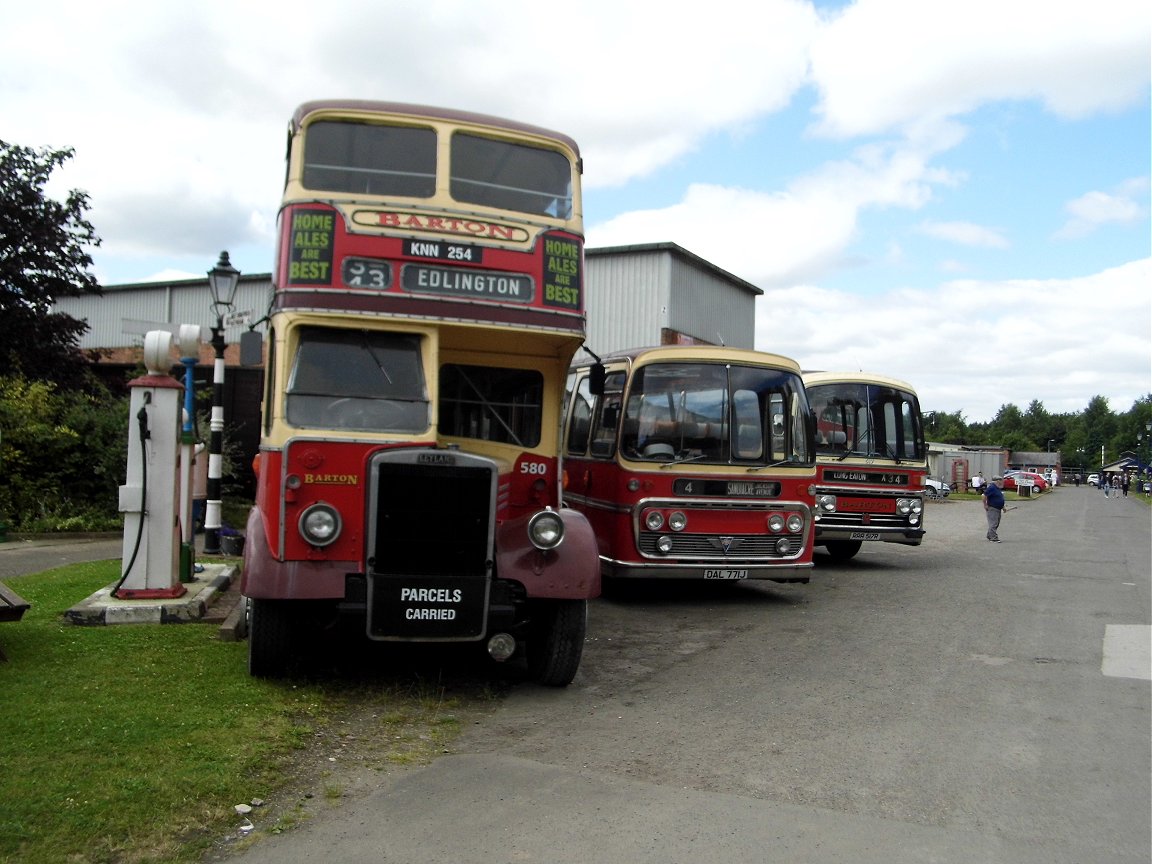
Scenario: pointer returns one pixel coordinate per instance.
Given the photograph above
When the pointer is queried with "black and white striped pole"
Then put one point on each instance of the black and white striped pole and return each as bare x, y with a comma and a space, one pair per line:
222, 282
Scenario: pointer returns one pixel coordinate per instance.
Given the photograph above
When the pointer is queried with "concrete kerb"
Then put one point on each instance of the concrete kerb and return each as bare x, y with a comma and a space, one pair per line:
205, 589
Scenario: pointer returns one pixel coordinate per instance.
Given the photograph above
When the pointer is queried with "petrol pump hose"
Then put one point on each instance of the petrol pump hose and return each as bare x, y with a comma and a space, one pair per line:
142, 427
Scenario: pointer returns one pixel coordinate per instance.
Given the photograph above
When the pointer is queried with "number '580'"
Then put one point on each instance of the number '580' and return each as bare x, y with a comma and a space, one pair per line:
533, 467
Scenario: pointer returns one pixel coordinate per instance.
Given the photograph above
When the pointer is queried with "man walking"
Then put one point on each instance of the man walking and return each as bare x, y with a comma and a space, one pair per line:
993, 507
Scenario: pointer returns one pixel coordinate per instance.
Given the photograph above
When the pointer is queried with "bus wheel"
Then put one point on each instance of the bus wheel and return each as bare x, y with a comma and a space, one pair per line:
557, 641
269, 638
843, 550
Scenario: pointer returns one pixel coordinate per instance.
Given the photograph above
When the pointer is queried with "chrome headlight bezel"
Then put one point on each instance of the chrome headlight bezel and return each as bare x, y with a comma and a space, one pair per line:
546, 530
320, 524
826, 503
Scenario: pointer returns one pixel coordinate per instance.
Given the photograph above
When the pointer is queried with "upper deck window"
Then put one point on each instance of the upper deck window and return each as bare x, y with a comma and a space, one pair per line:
511, 176
370, 158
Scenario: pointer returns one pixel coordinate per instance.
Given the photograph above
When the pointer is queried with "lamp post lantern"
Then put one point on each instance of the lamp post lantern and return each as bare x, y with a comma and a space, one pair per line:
222, 282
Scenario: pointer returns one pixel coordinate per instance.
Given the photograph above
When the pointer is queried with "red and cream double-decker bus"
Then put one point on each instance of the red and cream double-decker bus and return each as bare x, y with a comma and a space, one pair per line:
427, 304
693, 462
871, 459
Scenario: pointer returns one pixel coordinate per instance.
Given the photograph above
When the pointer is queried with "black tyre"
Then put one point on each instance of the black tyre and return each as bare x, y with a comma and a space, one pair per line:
269, 638
843, 550
557, 641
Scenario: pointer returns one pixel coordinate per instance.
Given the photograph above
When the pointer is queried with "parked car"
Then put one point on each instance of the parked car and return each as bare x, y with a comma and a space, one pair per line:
1039, 484
936, 488
1093, 479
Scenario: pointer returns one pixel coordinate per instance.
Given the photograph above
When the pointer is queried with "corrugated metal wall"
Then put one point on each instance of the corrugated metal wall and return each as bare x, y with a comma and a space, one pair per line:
124, 313
627, 298
711, 309
634, 293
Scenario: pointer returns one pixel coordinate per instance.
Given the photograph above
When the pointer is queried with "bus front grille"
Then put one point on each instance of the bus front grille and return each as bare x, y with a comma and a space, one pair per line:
430, 520
738, 549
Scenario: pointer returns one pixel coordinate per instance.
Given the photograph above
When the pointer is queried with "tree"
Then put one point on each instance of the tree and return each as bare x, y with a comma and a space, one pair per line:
43, 256
1099, 426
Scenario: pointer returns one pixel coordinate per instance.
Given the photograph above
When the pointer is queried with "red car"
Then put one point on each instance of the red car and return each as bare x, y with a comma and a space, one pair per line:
1039, 484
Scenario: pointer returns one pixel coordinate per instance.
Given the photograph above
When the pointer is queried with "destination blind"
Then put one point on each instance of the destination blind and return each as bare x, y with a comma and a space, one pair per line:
477, 284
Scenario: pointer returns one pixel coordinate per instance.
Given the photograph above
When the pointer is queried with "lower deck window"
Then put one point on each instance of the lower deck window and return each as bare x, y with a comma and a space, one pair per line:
491, 403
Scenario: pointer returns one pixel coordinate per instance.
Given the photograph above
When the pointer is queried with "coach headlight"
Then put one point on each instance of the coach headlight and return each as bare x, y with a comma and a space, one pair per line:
320, 524
795, 523
826, 503
546, 530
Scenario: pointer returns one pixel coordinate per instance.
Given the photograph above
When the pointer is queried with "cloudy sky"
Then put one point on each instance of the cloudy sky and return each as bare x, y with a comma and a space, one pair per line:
954, 192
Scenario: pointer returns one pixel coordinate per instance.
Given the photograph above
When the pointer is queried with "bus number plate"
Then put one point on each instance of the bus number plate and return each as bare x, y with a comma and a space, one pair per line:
725, 574
865, 535
444, 251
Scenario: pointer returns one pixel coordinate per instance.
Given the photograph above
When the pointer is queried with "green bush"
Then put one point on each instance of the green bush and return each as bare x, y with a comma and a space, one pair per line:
62, 456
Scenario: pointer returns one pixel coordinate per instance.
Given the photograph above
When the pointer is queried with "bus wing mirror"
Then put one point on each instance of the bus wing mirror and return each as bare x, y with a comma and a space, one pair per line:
251, 348
596, 377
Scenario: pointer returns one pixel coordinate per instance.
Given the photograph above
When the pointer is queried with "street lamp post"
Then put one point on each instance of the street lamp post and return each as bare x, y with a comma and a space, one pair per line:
222, 282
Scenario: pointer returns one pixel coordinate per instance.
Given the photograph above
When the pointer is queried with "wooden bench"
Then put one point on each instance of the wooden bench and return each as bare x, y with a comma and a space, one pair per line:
12, 608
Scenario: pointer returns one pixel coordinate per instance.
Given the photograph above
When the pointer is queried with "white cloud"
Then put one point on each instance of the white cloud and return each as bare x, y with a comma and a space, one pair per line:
964, 233
886, 65
810, 224
973, 346
1094, 209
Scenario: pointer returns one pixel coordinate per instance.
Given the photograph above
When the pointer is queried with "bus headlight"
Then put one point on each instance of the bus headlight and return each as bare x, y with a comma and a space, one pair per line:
653, 520
664, 544
826, 503
795, 523
909, 505
775, 523
546, 529
677, 521
320, 524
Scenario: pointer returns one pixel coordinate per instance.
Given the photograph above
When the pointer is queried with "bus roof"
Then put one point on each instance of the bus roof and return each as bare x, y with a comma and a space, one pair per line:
431, 112
814, 378
701, 353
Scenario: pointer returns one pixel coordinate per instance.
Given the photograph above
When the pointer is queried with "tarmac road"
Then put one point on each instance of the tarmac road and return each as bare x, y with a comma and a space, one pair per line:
960, 702
21, 555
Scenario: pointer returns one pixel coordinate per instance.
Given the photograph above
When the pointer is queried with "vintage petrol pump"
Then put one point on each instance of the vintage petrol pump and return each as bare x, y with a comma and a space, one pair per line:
148, 498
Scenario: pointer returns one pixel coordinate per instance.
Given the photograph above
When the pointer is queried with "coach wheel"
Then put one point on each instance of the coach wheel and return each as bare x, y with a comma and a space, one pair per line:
843, 550
269, 638
557, 641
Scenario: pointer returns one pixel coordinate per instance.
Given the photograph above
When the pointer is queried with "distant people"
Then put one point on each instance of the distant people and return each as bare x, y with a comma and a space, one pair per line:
1104, 484
993, 507
978, 483
1125, 481
1076, 480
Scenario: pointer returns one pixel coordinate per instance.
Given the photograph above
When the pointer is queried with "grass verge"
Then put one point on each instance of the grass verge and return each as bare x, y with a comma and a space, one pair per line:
133, 743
